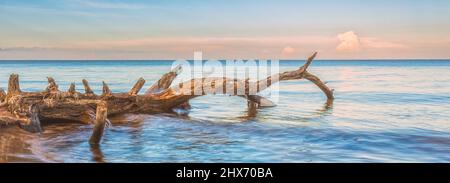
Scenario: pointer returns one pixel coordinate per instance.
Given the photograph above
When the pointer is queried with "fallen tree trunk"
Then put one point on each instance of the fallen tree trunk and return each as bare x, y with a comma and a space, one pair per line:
29, 109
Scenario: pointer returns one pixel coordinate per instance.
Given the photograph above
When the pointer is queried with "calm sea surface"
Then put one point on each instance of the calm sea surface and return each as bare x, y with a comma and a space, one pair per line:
384, 111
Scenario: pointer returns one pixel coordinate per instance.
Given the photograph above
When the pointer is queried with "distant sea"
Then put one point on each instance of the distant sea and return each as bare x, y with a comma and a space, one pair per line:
384, 111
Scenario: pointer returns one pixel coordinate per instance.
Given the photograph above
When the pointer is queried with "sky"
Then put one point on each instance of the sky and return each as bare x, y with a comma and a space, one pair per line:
224, 29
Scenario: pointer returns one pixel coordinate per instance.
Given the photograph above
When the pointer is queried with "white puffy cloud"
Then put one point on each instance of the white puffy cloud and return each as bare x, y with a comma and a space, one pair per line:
348, 41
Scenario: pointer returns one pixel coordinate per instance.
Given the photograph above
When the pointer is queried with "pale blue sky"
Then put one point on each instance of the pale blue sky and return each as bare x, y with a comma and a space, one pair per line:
107, 29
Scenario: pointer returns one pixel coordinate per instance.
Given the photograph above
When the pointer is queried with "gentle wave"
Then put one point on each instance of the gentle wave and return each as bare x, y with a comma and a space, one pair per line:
385, 111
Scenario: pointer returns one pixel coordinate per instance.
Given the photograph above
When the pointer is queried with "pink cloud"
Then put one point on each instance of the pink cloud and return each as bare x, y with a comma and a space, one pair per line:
288, 52
351, 42
370, 42
348, 42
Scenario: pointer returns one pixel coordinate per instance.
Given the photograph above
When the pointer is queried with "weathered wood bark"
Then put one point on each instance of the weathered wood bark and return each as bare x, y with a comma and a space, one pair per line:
177, 95
71, 90
52, 86
252, 106
328, 92
2, 97
87, 89
137, 87
164, 82
29, 109
13, 85
32, 124
106, 92
100, 123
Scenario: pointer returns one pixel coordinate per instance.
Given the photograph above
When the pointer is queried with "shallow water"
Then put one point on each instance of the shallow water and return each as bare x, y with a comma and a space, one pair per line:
384, 111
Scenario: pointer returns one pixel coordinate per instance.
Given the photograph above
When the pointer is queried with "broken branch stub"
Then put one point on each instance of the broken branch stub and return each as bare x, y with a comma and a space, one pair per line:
100, 122
137, 87
165, 81
106, 92
13, 86
71, 89
87, 88
52, 86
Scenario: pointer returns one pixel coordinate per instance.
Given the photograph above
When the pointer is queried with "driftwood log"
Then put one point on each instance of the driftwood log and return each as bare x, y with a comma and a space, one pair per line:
28, 109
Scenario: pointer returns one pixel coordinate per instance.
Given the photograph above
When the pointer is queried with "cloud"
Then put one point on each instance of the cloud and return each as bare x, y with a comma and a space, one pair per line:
233, 47
53, 11
351, 42
370, 42
108, 5
23, 48
175, 47
288, 52
294, 47
348, 42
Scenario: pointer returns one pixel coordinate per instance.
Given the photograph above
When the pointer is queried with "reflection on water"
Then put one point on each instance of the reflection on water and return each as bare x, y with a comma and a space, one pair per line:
385, 111
97, 154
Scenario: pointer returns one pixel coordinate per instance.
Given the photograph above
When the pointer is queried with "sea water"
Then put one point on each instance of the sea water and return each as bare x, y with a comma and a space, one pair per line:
384, 111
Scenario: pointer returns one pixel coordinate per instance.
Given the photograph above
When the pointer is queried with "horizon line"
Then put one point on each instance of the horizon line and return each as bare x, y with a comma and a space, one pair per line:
362, 59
